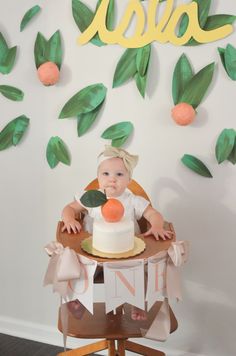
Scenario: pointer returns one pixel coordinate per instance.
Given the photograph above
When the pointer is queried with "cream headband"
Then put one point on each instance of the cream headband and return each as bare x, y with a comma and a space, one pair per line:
130, 161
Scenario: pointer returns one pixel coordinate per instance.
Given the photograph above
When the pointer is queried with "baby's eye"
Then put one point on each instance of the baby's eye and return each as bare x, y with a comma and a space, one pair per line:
120, 174
105, 174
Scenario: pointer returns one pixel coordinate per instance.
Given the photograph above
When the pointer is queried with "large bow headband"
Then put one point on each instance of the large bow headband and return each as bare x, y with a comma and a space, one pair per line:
130, 161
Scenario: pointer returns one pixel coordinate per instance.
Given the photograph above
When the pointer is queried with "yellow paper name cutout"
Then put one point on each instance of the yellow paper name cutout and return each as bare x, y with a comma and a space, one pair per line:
162, 32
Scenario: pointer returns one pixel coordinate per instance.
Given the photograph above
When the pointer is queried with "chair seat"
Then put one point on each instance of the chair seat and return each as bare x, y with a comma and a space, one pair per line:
113, 326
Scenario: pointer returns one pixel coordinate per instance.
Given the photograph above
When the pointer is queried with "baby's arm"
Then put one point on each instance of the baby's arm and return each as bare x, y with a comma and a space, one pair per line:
69, 214
157, 224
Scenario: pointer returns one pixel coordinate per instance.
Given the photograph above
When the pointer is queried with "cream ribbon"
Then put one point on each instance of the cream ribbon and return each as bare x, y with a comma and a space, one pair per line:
130, 161
176, 255
64, 265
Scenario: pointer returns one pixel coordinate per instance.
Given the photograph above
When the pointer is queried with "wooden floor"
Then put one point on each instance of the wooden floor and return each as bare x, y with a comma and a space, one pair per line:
14, 346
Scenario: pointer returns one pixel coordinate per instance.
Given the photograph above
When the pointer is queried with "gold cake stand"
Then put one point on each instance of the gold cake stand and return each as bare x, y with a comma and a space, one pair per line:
139, 247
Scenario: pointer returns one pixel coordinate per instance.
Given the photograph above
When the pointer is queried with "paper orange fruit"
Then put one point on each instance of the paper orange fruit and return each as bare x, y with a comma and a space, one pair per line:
183, 114
112, 210
48, 73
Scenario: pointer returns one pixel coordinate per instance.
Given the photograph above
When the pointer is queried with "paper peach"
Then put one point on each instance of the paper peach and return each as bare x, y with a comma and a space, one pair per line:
48, 73
112, 210
183, 114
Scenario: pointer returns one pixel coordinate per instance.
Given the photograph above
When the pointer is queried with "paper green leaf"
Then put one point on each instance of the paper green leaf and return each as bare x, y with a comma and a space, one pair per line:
83, 17
118, 142
141, 83
7, 56
203, 11
196, 165
196, 88
40, 48
13, 132
225, 144
119, 130
126, 67
213, 22
11, 93
86, 100
28, 16
230, 61
222, 56
183, 73
57, 152
232, 155
93, 198
54, 50
85, 121
142, 59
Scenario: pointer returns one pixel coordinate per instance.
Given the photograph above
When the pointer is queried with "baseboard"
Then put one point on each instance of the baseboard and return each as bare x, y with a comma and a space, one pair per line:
51, 335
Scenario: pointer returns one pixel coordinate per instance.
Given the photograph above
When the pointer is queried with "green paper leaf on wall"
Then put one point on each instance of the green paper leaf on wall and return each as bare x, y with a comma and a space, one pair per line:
126, 67
53, 50
141, 83
142, 59
183, 73
57, 152
119, 130
86, 100
203, 11
28, 16
7, 56
85, 121
230, 61
196, 88
222, 56
13, 132
40, 48
83, 17
196, 165
48, 51
118, 133
232, 155
93, 198
225, 144
11, 93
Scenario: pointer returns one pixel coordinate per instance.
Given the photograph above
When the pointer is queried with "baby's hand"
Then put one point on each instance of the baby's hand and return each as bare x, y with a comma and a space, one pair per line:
71, 226
159, 233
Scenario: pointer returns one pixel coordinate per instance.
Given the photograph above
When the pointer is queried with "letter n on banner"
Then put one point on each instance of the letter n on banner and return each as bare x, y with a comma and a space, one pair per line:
124, 283
156, 287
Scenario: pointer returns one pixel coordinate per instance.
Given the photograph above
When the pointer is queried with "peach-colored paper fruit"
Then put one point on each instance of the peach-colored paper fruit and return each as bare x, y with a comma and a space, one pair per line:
183, 114
48, 73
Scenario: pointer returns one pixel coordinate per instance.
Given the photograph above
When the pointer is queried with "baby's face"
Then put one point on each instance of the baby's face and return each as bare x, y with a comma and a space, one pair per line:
113, 177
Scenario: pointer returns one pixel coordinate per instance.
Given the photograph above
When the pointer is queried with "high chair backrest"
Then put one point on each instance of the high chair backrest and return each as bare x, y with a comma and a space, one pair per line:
136, 189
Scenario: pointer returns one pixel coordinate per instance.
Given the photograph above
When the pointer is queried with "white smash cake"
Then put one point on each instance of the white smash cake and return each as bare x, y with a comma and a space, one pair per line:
113, 237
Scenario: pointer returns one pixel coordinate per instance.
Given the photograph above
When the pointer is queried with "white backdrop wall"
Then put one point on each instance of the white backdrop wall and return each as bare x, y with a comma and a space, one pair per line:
33, 195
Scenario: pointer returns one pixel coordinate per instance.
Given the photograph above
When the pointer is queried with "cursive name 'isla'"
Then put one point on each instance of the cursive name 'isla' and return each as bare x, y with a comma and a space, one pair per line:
162, 32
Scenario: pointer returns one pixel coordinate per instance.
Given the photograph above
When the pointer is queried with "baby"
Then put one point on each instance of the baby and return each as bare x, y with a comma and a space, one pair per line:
115, 168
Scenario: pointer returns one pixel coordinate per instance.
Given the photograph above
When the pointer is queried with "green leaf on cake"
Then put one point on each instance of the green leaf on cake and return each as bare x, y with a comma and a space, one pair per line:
13, 132
93, 198
7, 56
196, 165
48, 51
225, 144
85, 101
196, 88
85, 121
183, 73
57, 151
118, 133
28, 16
126, 67
11, 93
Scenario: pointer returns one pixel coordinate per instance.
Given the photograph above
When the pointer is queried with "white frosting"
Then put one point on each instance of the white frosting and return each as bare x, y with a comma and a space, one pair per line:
115, 237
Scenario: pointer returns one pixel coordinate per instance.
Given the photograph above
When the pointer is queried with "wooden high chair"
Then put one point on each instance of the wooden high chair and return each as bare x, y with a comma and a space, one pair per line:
115, 330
